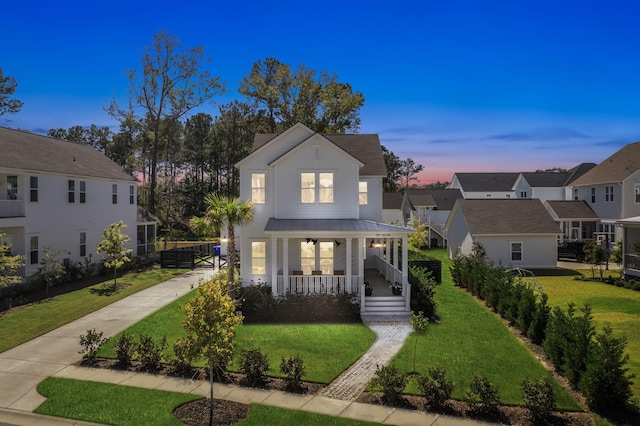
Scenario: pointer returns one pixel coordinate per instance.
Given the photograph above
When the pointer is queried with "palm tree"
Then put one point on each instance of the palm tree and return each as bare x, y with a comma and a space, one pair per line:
223, 211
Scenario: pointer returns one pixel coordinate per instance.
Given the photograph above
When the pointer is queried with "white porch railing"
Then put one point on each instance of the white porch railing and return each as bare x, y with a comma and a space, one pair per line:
391, 273
318, 284
11, 208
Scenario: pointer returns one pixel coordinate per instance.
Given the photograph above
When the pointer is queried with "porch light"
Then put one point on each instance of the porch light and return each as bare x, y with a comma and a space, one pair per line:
224, 239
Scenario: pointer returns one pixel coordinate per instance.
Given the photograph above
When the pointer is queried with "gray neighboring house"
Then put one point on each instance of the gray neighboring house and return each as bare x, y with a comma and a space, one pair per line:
432, 207
392, 209
485, 185
514, 232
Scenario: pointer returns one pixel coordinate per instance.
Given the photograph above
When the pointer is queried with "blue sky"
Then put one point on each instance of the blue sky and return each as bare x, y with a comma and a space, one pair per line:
458, 85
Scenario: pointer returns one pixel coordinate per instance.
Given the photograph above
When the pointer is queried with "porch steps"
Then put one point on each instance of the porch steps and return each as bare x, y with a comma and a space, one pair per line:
385, 305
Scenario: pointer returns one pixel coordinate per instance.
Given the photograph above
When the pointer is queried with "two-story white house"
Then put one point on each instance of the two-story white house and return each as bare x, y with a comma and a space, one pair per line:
318, 214
62, 195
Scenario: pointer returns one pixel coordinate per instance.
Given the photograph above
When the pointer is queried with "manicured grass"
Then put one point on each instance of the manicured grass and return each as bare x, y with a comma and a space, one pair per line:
616, 306
121, 406
471, 340
23, 325
326, 349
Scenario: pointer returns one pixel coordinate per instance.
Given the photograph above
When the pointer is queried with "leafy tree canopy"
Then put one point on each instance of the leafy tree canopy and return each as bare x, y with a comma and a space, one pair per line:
8, 85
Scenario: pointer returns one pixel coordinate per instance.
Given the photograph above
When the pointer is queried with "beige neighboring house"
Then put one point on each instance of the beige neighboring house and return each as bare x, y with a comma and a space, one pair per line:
513, 232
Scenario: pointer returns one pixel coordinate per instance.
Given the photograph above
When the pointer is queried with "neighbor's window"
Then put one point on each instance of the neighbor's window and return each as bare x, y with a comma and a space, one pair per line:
307, 257
516, 251
523, 194
83, 244
608, 193
6, 241
72, 191
33, 250
593, 194
114, 193
83, 192
132, 193
636, 188
575, 194
33, 188
326, 257
362, 193
12, 187
258, 188
258, 257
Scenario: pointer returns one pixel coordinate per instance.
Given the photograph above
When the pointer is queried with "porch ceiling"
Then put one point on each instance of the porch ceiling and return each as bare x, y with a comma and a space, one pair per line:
340, 226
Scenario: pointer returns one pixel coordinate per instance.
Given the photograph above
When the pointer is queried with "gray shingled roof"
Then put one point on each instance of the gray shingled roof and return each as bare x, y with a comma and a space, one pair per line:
507, 217
572, 210
353, 226
443, 199
28, 151
364, 147
616, 168
557, 179
392, 200
482, 182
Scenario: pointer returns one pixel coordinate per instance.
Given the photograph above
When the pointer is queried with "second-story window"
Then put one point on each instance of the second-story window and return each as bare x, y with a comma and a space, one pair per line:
33, 189
593, 194
12, 187
575, 194
316, 186
523, 194
258, 188
114, 194
608, 193
132, 197
362, 193
71, 190
83, 192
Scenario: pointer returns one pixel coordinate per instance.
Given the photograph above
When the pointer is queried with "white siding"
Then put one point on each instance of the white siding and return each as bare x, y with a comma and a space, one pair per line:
537, 251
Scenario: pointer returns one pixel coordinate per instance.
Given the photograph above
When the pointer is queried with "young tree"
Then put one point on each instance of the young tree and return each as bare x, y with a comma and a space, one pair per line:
393, 164
113, 246
419, 236
408, 171
419, 323
594, 255
209, 324
224, 211
9, 265
51, 269
172, 83
8, 86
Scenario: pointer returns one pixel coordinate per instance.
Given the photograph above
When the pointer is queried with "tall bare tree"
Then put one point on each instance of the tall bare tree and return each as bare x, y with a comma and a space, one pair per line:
8, 86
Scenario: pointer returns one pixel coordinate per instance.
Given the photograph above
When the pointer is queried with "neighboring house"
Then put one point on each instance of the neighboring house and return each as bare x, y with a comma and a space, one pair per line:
392, 209
318, 214
147, 231
575, 219
612, 190
485, 185
630, 246
549, 185
433, 207
516, 232
60, 194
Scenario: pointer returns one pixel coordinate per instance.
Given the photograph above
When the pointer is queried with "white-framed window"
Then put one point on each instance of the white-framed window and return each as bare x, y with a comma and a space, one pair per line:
258, 257
83, 192
6, 242
608, 193
33, 250
307, 257
316, 186
33, 189
363, 193
71, 185
593, 194
636, 189
326, 257
12, 187
523, 194
258, 188
516, 251
83, 244
114, 193
132, 195
575, 194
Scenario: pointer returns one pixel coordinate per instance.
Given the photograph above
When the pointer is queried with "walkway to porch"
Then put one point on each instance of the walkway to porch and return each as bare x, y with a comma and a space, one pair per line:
380, 284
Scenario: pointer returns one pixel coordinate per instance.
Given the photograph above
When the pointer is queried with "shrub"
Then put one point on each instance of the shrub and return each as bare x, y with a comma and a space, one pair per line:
435, 387
539, 320
150, 352
90, 343
183, 355
482, 397
538, 398
391, 381
258, 300
125, 349
422, 291
254, 365
293, 370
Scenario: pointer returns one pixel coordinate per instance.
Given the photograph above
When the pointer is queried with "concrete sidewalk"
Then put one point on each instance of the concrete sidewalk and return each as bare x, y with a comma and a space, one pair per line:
55, 353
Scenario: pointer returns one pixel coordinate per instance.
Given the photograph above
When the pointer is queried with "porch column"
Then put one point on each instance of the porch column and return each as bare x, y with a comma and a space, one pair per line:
285, 264
274, 266
396, 243
405, 272
348, 265
361, 272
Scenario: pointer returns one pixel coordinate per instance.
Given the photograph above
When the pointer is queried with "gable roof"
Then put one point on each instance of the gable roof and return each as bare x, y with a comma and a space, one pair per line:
557, 179
36, 153
443, 199
572, 209
482, 182
364, 147
616, 168
392, 200
521, 216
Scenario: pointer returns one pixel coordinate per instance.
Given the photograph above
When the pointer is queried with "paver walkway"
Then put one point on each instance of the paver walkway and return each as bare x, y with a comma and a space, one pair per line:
391, 332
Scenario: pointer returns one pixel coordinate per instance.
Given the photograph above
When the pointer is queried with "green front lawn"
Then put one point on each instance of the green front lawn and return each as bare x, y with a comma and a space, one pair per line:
27, 323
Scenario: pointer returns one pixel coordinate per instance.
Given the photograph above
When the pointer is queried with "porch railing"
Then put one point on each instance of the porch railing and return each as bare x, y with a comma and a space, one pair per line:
391, 273
632, 261
11, 208
318, 284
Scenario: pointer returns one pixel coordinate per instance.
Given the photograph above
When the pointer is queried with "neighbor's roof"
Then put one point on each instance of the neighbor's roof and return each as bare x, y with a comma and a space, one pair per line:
392, 200
144, 215
443, 199
556, 179
616, 168
481, 182
31, 152
507, 216
348, 226
364, 147
572, 209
